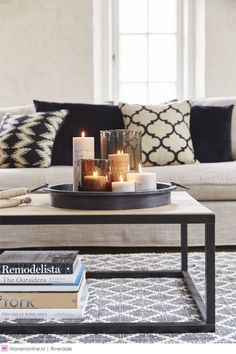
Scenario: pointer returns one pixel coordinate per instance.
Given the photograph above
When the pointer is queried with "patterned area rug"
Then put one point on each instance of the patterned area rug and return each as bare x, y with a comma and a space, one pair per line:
151, 299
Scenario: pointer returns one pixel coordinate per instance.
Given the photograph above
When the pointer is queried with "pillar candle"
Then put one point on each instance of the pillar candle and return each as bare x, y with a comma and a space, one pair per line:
94, 182
83, 148
120, 165
144, 181
123, 186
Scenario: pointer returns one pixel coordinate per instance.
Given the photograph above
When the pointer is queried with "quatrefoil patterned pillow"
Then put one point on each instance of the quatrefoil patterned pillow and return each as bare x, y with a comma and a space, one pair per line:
166, 137
27, 140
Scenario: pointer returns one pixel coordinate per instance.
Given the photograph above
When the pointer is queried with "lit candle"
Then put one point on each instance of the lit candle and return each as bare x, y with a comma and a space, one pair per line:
144, 181
94, 182
122, 186
120, 164
83, 148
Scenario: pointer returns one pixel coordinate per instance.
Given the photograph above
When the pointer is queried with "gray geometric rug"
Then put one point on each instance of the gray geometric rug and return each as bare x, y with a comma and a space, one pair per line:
159, 299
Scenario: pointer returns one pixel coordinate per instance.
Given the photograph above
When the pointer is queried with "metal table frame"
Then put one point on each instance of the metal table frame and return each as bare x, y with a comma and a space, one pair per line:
206, 310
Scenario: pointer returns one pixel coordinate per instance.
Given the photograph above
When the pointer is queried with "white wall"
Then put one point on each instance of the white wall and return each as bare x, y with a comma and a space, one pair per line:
46, 51
220, 47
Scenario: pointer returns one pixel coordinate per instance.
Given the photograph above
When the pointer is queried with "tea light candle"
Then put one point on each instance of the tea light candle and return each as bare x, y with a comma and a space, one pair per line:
144, 181
83, 148
122, 186
120, 164
94, 182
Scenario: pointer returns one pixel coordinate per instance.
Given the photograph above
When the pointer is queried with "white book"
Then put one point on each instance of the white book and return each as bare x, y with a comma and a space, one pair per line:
42, 278
47, 314
54, 287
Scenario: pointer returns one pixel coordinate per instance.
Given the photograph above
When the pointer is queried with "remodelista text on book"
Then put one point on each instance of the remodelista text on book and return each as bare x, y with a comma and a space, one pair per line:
37, 274
30, 269
41, 278
38, 262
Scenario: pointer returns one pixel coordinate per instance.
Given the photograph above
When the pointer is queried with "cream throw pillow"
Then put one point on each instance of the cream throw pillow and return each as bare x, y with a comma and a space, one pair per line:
166, 138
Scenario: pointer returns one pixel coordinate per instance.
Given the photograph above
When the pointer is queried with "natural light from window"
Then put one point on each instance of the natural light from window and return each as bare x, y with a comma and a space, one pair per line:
147, 50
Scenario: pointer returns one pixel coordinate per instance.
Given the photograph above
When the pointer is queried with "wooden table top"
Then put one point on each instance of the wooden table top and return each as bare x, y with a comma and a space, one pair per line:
181, 204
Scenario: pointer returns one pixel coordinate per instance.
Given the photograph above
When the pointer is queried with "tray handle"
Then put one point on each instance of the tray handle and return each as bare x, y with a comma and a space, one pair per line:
178, 185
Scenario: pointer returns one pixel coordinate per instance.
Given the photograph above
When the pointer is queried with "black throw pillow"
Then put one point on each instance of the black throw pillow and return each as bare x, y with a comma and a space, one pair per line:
210, 128
88, 117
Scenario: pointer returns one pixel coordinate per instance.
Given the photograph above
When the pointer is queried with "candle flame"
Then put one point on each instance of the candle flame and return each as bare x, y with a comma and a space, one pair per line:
121, 178
119, 152
83, 134
95, 173
140, 168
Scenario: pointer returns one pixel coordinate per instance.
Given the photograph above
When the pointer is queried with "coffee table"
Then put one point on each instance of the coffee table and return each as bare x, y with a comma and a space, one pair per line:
183, 210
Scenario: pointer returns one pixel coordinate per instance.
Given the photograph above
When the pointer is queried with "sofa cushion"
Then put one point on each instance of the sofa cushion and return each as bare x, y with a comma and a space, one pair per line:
27, 140
88, 117
210, 128
166, 138
33, 177
207, 181
222, 101
29, 109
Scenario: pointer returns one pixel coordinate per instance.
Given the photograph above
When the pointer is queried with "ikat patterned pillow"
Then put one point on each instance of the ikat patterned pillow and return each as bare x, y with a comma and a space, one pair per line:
166, 137
27, 140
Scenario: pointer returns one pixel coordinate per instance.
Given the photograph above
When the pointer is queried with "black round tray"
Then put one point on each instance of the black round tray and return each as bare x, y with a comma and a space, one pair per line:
63, 196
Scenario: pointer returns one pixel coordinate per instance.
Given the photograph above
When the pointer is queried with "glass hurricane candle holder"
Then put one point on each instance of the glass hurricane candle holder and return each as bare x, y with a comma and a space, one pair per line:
95, 175
122, 140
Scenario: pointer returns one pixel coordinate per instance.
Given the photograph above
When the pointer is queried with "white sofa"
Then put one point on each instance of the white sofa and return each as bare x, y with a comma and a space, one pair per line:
213, 184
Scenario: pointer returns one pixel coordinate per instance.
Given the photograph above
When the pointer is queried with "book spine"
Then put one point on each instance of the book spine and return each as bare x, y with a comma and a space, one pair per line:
39, 300
35, 268
40, 278
37, 279
52, 287
45, 314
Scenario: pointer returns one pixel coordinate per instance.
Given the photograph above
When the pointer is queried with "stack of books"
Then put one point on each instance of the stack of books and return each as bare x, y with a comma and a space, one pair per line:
42, 285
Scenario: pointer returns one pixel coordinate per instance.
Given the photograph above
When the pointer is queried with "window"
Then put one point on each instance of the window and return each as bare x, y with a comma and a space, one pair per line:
147, 60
